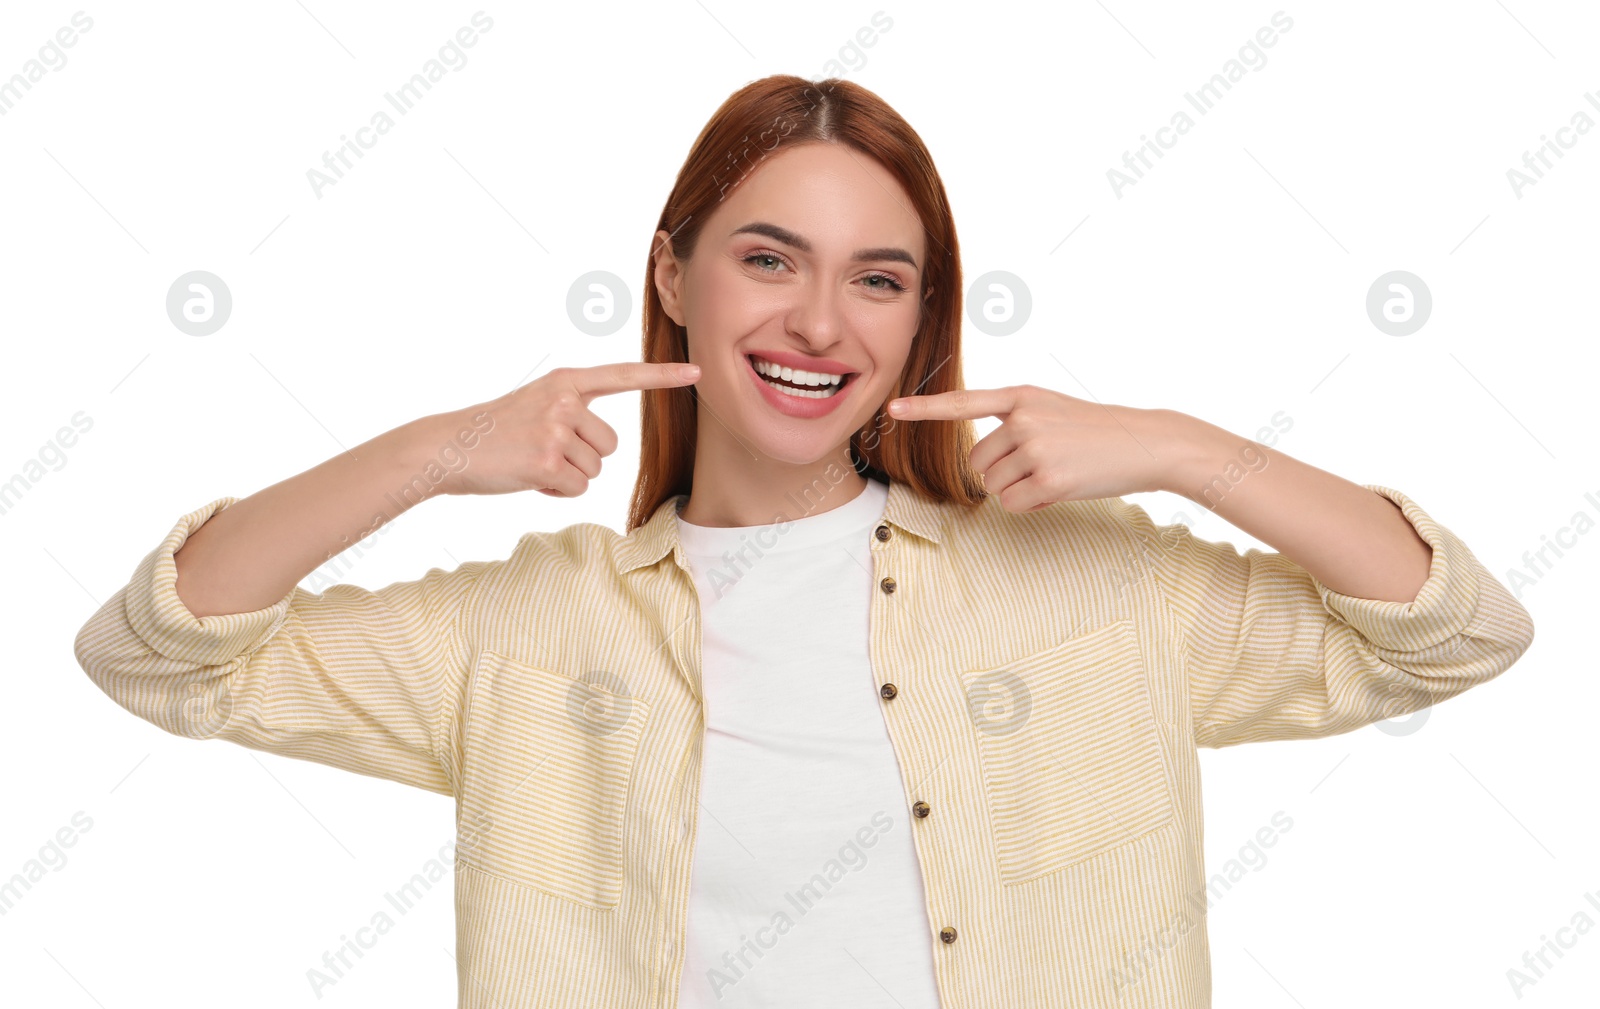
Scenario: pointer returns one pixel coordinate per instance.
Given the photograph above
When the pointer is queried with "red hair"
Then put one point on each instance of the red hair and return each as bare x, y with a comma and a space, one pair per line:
931, 456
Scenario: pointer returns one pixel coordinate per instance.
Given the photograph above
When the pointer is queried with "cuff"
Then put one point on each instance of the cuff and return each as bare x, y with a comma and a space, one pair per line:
160, 618
1444, 605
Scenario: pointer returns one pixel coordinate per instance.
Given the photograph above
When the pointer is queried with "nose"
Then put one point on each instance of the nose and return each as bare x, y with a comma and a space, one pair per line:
816, 316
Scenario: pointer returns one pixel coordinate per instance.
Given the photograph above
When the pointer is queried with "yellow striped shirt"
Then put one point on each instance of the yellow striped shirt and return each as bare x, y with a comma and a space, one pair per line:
1052, 676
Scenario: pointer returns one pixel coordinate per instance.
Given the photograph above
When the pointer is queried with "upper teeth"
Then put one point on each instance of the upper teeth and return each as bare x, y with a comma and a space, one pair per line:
764, 367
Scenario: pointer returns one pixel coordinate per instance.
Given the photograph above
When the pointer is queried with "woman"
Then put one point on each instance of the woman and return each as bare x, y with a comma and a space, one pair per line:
858, 709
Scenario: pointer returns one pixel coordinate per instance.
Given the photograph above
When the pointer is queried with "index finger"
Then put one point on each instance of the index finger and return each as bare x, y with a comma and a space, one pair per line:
956, 404
627, 376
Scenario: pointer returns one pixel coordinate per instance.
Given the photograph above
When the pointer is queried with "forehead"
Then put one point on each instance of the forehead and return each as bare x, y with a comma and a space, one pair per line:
831, 194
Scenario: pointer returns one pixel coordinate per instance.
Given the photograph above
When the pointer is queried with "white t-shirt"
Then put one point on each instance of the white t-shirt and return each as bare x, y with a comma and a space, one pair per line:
805, 888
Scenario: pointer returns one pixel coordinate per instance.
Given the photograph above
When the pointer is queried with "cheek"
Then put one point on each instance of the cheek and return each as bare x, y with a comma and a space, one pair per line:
723, 309
887, 324
888, 332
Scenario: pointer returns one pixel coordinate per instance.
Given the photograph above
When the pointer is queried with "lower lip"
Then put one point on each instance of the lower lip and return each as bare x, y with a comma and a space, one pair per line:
798, 406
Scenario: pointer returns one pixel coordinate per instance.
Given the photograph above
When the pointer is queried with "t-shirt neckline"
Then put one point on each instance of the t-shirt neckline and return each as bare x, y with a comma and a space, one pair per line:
810, 529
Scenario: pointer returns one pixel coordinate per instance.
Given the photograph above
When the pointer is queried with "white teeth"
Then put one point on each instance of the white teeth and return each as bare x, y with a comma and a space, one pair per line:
763, 367
803, 393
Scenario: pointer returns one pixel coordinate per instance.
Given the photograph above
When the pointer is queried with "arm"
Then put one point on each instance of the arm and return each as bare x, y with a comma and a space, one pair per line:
1274, 651
249, 555
1348, 537
366, 681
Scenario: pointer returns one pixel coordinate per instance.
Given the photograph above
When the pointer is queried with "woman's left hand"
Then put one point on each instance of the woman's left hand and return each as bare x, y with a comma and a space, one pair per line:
1053, 447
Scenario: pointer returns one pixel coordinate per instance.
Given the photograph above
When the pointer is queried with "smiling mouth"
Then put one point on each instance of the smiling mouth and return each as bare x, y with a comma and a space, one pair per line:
803, 385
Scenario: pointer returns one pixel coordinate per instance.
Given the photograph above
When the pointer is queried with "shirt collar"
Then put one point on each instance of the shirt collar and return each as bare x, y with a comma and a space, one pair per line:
658, 537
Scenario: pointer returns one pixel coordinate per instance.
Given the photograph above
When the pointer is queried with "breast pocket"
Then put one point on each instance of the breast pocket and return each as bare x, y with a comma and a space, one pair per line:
548, 760
1072, 757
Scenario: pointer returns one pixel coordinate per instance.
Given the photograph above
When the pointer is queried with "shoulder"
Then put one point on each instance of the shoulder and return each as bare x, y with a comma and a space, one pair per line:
1103, 522
560, 572
574, 549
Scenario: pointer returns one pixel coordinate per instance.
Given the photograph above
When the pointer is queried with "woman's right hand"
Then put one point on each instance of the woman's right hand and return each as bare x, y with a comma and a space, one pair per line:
544, 436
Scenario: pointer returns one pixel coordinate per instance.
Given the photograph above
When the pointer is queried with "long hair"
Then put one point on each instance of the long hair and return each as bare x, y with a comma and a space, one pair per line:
930, 456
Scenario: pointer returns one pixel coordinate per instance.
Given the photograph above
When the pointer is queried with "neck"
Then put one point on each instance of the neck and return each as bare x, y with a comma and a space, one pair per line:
731, 488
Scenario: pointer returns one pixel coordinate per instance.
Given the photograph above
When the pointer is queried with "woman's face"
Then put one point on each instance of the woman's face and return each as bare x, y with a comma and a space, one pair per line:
813, 262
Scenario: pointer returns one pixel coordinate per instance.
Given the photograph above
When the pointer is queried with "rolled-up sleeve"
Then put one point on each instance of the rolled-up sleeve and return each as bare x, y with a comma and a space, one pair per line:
1270, 652
362, 680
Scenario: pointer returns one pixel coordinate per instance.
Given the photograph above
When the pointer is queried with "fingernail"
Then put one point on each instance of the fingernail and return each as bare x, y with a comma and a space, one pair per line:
689, 371
897, 406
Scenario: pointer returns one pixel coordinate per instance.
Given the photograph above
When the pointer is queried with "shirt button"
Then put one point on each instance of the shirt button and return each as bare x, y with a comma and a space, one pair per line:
683, 828
947, 934
887, 585
921, 808
882, 533
888, 690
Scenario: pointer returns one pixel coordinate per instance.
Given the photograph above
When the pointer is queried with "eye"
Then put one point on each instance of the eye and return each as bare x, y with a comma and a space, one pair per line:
763, 255
889, 283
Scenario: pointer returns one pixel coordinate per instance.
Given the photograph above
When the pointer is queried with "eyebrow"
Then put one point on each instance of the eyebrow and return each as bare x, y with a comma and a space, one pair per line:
787, 237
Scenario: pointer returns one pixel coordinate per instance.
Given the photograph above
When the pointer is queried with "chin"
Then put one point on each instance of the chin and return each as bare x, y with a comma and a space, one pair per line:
806, 451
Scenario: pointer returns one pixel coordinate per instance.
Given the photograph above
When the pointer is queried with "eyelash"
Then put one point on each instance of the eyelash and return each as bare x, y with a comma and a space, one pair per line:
893, 283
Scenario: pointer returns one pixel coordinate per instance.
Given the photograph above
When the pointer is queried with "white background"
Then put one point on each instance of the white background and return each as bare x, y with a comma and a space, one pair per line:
1230, 283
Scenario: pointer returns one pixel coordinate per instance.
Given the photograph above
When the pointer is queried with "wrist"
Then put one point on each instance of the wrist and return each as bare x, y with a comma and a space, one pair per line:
411, 455
440, 447
1191, 453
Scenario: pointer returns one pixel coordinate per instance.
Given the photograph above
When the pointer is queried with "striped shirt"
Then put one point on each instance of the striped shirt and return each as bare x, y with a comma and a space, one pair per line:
1046, 679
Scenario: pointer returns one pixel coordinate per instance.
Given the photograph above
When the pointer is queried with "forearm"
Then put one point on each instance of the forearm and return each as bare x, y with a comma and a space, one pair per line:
1354, 541
250, 554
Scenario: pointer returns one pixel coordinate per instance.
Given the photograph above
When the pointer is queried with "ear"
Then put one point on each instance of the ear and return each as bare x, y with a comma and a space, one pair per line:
668, 277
